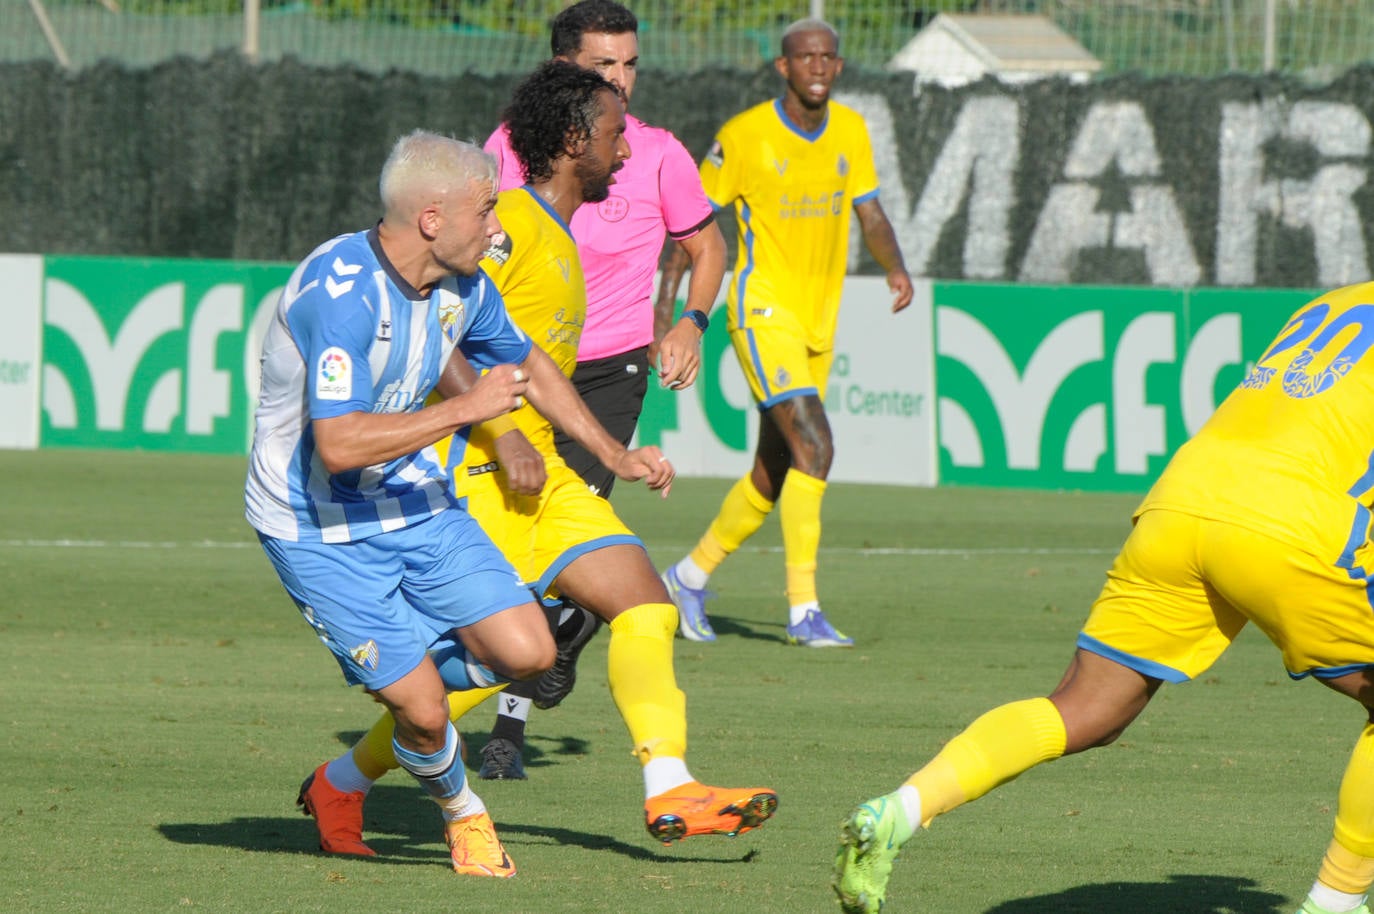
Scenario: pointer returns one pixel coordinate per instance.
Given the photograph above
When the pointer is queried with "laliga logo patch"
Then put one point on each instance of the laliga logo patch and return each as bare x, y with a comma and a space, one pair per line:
365, 655
335, 378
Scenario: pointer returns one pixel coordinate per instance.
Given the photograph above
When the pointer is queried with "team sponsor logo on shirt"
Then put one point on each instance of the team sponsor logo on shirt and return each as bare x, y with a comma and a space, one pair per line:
335, 378
613, 208
806, 206
365, 655
716, 155
500, 250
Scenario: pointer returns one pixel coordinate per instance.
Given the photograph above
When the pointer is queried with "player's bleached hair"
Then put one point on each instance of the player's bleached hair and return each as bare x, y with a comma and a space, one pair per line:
809, 25
567, 28
424, 167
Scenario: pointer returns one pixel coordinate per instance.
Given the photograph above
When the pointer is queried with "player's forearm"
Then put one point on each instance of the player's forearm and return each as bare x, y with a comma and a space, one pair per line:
707, 252
557, 400
665, 307
879, 236
360, 439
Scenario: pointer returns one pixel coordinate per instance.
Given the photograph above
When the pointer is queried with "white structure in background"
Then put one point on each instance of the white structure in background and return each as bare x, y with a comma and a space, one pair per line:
955, 49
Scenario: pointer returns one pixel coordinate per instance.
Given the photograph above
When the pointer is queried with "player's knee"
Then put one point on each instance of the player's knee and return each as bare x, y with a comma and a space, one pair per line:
530, 659
813, 454
423, 727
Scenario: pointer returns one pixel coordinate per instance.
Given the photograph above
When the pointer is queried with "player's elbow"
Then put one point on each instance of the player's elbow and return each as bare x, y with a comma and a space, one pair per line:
335, 463
333, 455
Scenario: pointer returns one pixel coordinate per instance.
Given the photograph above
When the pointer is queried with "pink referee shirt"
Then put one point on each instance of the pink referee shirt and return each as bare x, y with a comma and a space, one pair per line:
620, 238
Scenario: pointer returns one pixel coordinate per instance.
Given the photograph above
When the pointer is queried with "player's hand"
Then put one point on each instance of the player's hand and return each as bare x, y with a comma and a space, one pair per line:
679, 356
648, 464
899, 284
524, 466
496, 392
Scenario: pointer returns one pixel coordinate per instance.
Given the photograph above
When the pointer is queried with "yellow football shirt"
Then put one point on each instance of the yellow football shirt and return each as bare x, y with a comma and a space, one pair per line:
1288, 453
536, 268
793, 193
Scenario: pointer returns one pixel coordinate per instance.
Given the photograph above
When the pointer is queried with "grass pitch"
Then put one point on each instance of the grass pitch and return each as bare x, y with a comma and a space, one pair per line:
164, 700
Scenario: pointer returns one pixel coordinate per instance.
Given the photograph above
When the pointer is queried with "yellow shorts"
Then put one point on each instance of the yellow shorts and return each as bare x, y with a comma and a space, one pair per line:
777, 362
541, 534
1183, 587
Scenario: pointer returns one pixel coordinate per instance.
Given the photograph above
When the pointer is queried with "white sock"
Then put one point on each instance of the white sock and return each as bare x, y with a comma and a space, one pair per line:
1331, 900
343, 773
514, 706
911, 804
798, 612
462, 804
663, 773
691, 575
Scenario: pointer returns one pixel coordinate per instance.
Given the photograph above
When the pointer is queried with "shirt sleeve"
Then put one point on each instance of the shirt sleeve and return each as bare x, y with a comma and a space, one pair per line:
685, 207
863, 176
720, 170
512, 173
334, 337
493, 338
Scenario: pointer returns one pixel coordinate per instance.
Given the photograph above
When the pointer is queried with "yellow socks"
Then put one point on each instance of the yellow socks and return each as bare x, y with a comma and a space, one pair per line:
1349, 862
373, 753
640, 661
741, 514
993, 749
799, 510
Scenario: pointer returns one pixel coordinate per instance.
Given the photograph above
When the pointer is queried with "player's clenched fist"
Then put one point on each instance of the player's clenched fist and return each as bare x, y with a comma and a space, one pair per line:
497, 391
648, 464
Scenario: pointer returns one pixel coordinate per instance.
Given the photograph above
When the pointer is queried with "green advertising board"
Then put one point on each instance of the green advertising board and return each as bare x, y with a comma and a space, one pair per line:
151, 354
1083, 387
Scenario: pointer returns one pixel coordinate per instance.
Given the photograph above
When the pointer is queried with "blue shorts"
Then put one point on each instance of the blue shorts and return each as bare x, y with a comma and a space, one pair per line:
379, 603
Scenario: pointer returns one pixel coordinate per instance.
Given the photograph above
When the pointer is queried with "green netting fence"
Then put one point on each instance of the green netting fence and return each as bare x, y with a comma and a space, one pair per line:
1313, 39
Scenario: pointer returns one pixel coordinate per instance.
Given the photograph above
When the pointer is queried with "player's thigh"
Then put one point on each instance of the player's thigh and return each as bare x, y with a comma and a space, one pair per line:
776, 362
1317, 612
1157, 614
349, 594
574, 523
454, 574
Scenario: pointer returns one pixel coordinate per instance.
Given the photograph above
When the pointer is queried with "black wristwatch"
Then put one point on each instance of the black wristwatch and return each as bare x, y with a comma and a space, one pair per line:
699, 318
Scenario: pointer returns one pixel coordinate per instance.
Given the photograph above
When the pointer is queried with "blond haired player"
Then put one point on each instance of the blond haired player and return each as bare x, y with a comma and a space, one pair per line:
567, 125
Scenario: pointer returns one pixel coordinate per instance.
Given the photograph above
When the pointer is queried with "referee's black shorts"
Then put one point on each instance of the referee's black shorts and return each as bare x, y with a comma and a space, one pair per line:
614, 389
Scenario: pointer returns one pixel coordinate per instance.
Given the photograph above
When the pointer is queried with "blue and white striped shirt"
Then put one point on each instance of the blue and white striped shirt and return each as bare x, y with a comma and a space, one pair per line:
351, 335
